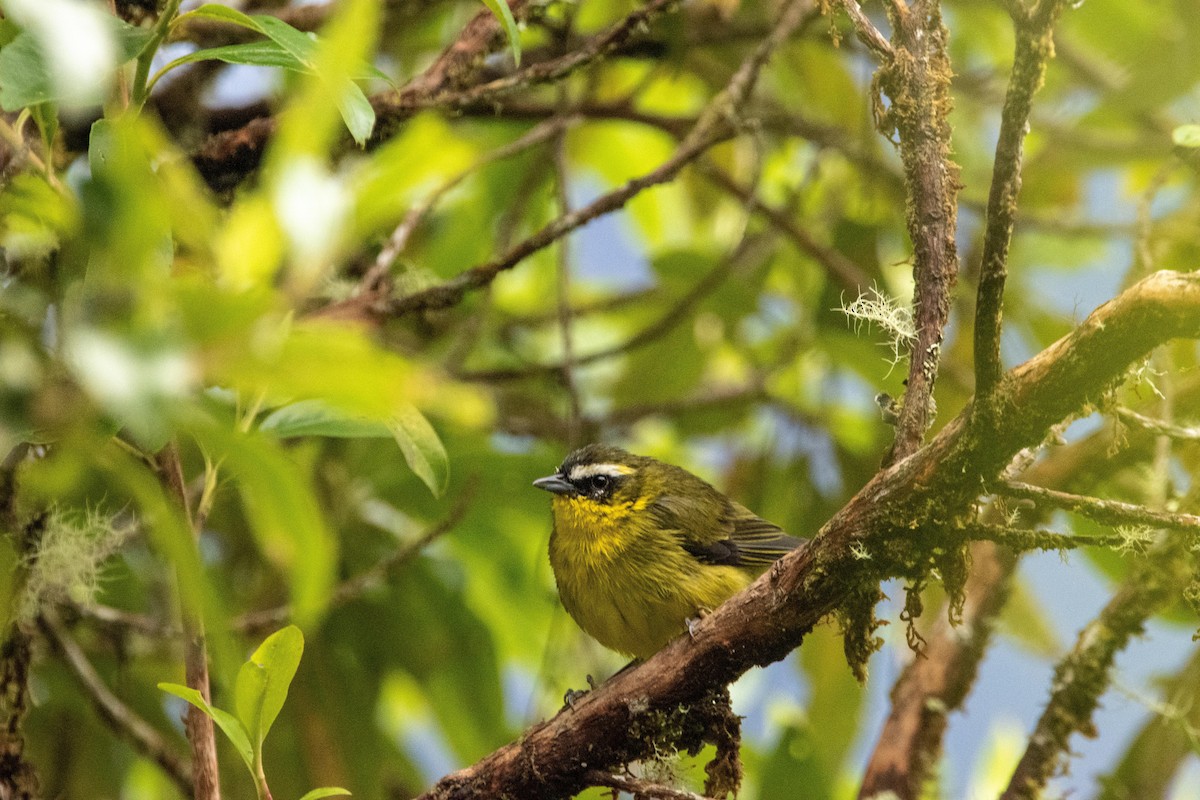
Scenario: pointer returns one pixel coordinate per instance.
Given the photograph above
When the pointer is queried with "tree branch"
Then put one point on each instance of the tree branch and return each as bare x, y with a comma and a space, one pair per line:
1026, 539
1188, 433
866, 31
1083, 675
640, 788
917, 80
1035, 46
1108, 512
770, 618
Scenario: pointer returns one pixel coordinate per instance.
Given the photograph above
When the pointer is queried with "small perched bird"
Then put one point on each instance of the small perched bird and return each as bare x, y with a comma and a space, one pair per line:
641, 547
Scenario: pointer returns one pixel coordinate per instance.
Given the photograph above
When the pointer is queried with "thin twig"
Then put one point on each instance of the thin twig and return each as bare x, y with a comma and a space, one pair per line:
1034, 47
143, 736
1186, 433
866, 31
598, 46
1026, 539
667, 322
1108, 512
840, 268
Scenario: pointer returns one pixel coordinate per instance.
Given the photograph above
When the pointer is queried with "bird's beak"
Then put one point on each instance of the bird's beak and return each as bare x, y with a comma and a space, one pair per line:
555, 484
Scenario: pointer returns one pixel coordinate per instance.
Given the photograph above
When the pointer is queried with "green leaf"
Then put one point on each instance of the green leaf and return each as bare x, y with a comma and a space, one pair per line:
504, 14
357, 112
300, 44
131, 40
317, 418
423, 450
325, 791
225, 721
219, 13
24, 79
257, 54
262, 683
1186, 135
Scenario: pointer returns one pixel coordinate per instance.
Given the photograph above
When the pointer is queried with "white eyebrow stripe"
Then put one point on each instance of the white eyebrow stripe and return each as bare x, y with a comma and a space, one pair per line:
581, 471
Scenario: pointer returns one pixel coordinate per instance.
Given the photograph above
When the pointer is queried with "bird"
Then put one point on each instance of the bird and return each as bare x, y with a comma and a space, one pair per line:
641, 548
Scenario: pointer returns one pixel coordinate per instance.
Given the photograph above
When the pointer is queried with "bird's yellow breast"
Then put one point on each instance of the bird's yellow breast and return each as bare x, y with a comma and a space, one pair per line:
628, 583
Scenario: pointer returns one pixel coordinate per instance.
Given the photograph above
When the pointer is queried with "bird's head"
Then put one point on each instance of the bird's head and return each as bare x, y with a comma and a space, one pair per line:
600, 473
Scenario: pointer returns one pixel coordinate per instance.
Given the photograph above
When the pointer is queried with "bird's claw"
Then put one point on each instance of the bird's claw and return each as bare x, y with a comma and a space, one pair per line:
692, 622
573, 696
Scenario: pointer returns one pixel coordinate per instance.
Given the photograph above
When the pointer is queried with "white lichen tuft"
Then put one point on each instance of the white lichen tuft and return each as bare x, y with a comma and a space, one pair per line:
1135, 539
873, 307
68, 563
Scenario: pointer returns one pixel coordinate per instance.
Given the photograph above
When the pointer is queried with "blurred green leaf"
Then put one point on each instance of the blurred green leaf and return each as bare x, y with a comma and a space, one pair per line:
25, 79
285, 517
262, 682
317, 418
261, 54
357, 112
35, 218
1186, 135
422, 448
326, 791
229, 724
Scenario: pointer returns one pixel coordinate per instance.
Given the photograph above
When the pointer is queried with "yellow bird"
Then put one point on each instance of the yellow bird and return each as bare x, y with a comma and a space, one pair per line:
641, 547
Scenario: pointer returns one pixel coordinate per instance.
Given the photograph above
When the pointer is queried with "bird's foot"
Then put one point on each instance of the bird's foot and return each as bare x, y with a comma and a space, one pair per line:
573, 696
692, 622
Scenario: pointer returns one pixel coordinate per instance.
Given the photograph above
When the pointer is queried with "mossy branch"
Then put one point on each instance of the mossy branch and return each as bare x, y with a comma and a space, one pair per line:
1035, 46
764, 623
1083, 675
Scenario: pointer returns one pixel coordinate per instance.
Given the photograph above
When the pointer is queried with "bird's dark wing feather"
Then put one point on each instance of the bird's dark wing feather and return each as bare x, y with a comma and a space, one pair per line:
718, 531
759, 541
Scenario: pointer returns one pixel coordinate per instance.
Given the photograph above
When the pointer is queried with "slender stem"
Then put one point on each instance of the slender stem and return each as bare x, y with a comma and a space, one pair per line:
141, 86
199, 726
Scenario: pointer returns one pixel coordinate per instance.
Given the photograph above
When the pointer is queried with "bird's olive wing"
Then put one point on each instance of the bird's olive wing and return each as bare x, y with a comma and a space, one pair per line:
759, 541
717, 531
